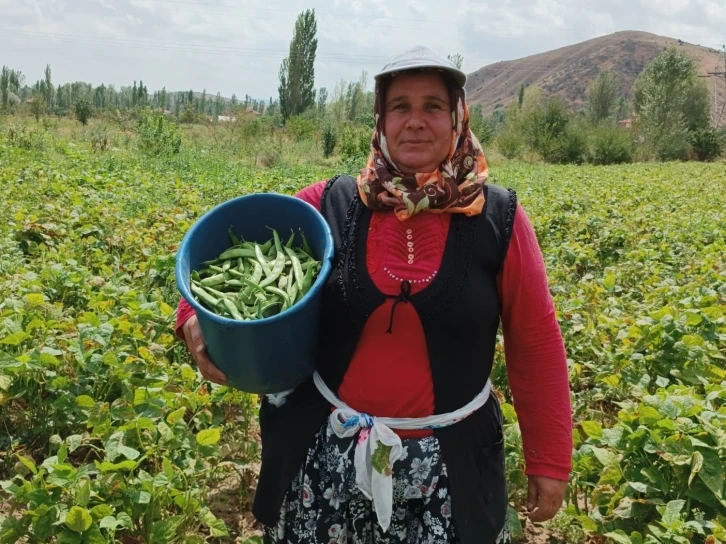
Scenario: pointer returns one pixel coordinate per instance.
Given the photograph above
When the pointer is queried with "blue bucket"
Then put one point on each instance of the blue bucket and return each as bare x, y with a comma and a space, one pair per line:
273, 354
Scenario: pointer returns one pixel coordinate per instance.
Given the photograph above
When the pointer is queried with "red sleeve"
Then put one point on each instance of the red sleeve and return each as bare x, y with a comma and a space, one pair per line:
310, 194
535, 356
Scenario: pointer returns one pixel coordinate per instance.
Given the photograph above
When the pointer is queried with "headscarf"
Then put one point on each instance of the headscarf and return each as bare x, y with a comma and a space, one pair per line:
457, 186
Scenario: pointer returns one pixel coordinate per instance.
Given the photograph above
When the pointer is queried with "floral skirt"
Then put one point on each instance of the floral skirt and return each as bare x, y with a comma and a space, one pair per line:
324, 505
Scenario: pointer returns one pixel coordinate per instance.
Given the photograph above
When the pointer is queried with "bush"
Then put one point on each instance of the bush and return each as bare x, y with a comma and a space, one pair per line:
574, 144
330, 138
707, 144
301, 127
510, 144
673, 146
611, 145
355, 142
99, 138
157, 135
82, 109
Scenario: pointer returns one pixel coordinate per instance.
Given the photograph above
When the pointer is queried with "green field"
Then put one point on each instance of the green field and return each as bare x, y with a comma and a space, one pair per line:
108, 434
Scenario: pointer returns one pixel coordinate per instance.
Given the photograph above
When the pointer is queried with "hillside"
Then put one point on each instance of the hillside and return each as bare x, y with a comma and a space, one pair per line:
568, 71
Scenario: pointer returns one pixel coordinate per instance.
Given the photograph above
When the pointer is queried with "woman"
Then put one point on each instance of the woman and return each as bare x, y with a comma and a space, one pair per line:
429, 258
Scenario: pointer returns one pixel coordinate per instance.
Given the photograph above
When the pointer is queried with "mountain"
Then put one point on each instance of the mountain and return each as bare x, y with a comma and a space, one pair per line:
568, 71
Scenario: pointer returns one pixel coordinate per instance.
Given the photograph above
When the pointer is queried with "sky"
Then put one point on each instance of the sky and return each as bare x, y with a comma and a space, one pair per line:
236, 46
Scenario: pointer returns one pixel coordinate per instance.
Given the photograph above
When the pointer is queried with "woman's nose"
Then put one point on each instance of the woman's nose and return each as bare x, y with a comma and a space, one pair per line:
415, 120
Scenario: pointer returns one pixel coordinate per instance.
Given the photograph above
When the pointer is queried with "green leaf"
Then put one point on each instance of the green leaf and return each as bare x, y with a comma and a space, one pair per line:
140, 496
107, 466
15, 339
78, 519
28, 463
606, 457
67, 537
188, 373
619, 536
609, 281
208, 437
74, 442
176, 416
84, 401
672, 512
712, 473
109, 522
5, 383
693, 319
510, 415
593, 429
648, 415
515, 524
101, 511
640, 487
129, 453
94, 536
62, 453
84, 494
693, 341
124, 520
216, 525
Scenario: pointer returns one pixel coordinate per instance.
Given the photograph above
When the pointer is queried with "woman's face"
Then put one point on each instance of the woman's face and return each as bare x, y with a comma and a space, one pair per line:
417, 122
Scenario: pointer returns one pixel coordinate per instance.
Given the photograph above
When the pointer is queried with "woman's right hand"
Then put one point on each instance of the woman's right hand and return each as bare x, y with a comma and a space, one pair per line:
195, 343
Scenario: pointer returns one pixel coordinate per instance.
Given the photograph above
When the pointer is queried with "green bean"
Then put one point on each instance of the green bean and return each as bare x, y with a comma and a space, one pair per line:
296, 268
263, 262
282, 282
293, 293
276, 237
276, 270
202, 294
241, 264
264, 248
235, 252
290, 240
217, 279
278, 292
232, 237
306, 246
232, 309
307, 281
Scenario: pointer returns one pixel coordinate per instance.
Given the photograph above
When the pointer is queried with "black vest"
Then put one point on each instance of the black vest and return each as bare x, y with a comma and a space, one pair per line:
459, 312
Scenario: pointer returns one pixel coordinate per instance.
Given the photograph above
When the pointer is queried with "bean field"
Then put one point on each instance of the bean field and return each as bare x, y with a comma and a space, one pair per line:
109, 434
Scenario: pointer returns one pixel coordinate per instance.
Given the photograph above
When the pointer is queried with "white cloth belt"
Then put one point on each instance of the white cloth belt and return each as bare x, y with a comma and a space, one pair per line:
379, 447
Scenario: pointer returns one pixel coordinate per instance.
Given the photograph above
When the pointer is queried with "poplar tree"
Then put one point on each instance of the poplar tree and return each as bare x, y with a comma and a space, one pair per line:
297, 73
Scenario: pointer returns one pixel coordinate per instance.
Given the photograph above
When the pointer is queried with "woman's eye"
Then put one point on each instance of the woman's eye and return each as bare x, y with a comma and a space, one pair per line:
433, 107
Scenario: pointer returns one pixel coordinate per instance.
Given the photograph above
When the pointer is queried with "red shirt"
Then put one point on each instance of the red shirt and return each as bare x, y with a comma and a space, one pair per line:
534, 350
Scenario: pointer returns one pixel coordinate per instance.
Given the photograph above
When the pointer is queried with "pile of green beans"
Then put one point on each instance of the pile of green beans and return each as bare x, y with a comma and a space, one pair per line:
252, 281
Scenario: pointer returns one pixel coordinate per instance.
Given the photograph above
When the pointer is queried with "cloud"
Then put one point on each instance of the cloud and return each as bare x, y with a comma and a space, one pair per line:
236, 46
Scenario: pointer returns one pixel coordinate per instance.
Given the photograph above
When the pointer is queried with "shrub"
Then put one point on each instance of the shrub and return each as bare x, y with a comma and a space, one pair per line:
301, 127
510, 144
673, 146
707, 144
82, 109
355, 142
330, 138
157, 135
99, 139
611, 145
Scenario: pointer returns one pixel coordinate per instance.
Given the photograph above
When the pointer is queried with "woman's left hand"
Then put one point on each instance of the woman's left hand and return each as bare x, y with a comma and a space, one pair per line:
544, 497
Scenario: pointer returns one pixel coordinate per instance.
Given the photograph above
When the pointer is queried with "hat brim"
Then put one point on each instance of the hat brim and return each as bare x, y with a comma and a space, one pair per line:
458, 75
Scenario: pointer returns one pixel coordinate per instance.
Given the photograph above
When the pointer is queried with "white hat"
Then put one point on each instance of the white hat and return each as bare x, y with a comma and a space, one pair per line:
419, 57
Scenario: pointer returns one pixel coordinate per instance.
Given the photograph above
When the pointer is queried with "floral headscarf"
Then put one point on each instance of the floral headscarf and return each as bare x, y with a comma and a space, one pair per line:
457, 186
